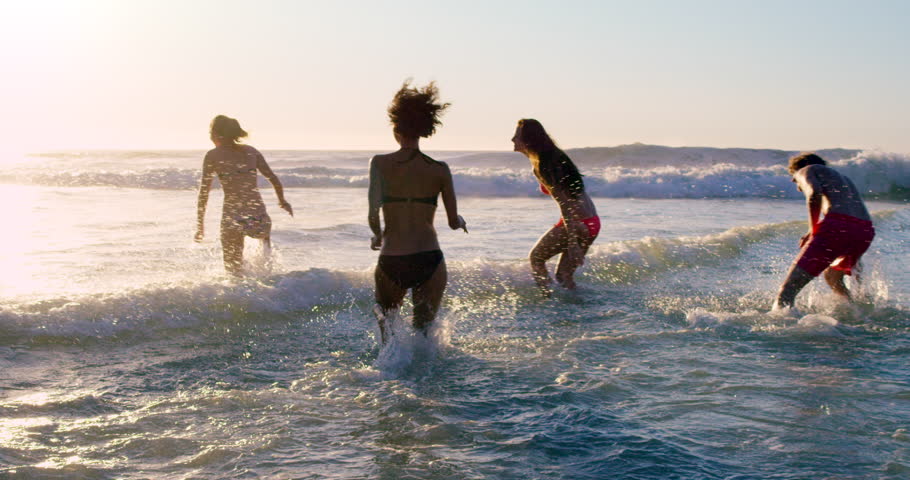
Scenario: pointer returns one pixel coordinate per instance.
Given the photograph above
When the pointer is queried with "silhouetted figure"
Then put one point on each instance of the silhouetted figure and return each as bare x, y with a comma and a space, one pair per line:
405, 185
243, 214
835, 243
578, 225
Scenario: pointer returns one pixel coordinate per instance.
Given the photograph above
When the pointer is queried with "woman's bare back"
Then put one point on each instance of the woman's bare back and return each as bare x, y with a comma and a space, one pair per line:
236, 168
411, 183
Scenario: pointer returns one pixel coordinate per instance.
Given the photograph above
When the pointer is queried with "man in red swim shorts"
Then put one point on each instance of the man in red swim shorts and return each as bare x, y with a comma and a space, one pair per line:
840, 229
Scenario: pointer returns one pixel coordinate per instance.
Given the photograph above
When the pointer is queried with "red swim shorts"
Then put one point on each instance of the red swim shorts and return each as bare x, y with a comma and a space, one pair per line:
837, 242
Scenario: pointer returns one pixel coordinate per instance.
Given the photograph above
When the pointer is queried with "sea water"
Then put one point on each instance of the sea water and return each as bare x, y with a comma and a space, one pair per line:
125, 352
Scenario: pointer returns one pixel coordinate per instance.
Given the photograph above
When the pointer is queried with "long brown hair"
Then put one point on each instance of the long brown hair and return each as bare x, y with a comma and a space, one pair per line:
534, 137
552, 166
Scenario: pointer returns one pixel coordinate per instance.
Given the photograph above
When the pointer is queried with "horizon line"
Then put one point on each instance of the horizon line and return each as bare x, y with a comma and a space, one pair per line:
362, 149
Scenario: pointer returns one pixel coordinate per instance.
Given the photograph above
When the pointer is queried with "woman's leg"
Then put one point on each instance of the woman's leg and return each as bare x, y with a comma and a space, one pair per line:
266, 237
267, 248
388, 297
549, 245
427, 298
232, 247
565, 270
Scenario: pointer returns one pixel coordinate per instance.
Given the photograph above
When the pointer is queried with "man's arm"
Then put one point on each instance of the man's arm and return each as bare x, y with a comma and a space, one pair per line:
810, 185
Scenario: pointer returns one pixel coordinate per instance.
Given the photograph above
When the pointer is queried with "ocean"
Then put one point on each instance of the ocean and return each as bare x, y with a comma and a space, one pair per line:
126, 353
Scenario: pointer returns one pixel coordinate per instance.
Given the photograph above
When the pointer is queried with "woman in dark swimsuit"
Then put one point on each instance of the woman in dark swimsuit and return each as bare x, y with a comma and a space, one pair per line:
578, 225
405, 185
243, 214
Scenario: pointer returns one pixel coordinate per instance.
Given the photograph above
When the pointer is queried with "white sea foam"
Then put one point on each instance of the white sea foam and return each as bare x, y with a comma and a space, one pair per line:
185, 305
502, 285
813, 324
631, 260
633, 171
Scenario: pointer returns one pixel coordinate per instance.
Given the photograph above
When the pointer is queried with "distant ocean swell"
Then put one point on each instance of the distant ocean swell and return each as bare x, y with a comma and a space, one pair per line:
761, 175
296, 296
177, 178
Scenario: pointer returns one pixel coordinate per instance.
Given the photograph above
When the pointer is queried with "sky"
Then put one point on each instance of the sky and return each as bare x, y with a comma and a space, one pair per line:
125, 74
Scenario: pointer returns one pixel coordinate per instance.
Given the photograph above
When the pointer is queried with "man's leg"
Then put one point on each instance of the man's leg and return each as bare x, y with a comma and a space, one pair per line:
797, 278
835, 279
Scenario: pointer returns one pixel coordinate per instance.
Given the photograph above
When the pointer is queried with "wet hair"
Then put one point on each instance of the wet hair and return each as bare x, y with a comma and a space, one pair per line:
554, 168
804, 159
414, 112
534, 137
227, 128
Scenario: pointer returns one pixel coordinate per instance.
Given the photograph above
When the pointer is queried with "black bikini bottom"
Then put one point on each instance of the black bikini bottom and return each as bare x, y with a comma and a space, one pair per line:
409, 271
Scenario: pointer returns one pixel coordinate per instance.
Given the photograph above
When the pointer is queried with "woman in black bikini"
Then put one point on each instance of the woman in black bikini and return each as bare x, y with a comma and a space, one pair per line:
405, 185
243, 214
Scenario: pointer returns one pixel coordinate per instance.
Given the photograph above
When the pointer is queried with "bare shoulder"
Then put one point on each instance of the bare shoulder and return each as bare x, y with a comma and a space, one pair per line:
443, 166
824, 174
213, 155
379, 159
813, 173
816, 169
441, 172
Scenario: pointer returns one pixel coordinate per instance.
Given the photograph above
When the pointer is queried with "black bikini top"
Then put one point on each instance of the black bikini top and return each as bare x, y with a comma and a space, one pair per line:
426, 200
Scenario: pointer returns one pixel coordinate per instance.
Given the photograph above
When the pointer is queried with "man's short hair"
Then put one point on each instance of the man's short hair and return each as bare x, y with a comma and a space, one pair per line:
804, 159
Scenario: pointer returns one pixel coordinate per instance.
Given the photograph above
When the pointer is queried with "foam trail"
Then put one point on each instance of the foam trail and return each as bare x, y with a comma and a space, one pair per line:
408, 352
813, 324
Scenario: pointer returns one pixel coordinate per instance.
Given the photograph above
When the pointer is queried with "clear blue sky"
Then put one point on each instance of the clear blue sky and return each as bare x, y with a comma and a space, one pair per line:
319, 74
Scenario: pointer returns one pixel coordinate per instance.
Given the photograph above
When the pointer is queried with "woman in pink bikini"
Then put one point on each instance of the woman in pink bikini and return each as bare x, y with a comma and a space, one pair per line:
578, 225
243, 214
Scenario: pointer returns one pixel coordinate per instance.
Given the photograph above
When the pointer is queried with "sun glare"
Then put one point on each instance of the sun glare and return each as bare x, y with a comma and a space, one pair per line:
19, 203
10, 155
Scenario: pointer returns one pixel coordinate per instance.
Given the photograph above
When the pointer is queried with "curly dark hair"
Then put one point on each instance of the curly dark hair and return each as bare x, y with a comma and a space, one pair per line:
414, 112
227, 128
804, 159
